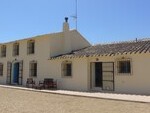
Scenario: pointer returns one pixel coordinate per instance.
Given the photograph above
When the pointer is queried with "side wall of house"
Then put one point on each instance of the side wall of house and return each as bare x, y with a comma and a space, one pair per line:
41, 56
78, 80
66, 42
138, 81
56, 44
78, 41
46, 68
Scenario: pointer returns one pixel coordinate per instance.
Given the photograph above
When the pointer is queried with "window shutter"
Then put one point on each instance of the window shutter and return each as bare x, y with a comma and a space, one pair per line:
20, 72
9, 66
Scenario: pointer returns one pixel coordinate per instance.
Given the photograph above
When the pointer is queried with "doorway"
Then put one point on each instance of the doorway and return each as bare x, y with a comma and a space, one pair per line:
16, 73
102, 76
98, 74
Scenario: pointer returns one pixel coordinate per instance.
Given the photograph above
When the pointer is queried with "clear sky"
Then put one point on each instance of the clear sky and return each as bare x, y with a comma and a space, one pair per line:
99, 21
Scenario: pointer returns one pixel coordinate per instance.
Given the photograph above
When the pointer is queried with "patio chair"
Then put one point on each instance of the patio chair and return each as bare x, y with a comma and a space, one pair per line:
48, 83
29, 82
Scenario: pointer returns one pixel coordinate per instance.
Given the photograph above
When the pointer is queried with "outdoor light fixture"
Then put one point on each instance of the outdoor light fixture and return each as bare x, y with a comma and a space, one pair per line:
97, 59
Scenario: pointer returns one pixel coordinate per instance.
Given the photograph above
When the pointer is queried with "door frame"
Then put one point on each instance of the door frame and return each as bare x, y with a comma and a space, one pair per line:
10, 72
13, 72
98, 78
111, 72
92, 77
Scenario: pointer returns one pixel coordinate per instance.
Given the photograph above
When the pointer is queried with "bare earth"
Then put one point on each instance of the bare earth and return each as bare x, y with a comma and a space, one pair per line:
21, 101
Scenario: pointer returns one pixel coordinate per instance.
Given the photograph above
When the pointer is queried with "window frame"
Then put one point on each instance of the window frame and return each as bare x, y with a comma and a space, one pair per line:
1, 67
31, 47
3, 51
16, 49
65, 69
118, 66
33, 69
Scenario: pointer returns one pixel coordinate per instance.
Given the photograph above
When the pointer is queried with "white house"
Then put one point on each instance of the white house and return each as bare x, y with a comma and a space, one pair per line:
26, 58
76, 65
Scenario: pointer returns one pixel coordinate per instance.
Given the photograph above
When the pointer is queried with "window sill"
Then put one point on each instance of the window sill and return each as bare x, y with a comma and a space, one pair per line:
33, 76
3, 56
124, 74
66, 76
15, 55
30, 53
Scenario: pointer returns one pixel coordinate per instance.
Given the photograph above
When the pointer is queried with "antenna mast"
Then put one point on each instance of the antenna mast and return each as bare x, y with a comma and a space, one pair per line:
76, 15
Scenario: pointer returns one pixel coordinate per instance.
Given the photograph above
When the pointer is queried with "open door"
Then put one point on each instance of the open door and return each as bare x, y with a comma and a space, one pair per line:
102, 76
108, 76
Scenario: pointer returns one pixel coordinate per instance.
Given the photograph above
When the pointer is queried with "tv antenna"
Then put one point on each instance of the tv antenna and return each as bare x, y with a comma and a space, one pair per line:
75, 17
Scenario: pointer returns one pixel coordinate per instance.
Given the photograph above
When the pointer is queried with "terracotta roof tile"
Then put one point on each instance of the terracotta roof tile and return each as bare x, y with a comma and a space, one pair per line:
111, 49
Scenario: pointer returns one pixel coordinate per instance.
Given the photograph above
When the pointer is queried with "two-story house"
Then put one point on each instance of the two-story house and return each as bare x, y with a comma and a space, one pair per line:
77, 65
29, 57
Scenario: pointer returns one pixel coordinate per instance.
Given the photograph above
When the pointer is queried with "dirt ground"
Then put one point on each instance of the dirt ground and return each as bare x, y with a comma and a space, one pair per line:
21, 101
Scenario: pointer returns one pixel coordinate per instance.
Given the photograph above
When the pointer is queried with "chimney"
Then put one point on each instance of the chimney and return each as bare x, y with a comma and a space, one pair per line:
67, 37
66, 25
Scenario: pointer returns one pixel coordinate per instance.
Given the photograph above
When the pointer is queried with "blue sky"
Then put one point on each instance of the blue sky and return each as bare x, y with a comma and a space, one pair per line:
99, 21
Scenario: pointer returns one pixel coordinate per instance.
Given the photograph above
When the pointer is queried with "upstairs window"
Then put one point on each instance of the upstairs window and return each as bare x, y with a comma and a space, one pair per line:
15, 49
31, 47
124, 67
67, 69
3, 51
1, 69
33, 69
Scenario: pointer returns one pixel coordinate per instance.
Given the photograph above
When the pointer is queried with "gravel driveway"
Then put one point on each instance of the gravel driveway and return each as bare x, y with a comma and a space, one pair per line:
21, 101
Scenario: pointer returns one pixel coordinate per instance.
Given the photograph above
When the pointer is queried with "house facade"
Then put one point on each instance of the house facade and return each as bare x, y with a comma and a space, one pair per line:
26, 58
108, 68
77, 65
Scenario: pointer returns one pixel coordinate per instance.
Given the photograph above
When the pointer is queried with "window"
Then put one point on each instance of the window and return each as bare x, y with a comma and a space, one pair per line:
33, 69
124, 66
16, 49
3, 51
1, 69
67, 69
31, 46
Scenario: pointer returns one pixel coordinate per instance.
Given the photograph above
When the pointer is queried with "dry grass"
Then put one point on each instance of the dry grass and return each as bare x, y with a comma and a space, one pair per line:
20, 101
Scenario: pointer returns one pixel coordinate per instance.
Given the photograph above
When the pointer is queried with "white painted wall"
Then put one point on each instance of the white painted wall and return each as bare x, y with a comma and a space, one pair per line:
65, 42
53, 44
139, 80
42, 53
45, 47
78, 80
